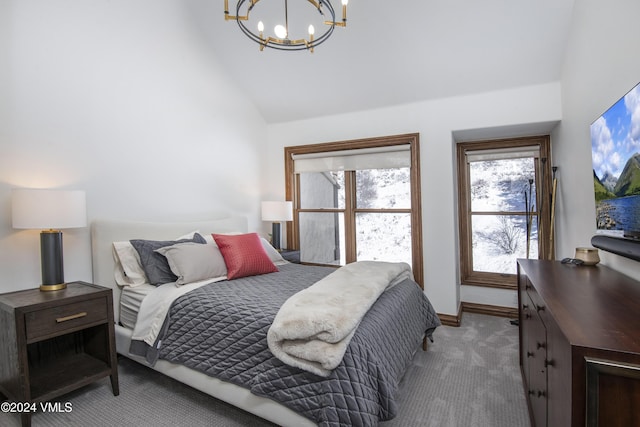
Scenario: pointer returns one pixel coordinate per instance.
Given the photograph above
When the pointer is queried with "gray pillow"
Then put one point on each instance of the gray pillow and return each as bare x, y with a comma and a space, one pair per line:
192, 261
156, 266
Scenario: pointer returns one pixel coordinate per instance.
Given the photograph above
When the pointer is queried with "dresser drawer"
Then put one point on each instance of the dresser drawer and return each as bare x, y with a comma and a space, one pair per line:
60, 319
539, 305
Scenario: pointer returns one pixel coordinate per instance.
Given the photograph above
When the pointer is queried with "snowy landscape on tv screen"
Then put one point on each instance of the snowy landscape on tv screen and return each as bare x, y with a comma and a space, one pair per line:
615, 149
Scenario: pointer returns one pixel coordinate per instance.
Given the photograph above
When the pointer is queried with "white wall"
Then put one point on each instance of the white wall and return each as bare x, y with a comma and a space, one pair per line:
121, 99
436, 121
601, 65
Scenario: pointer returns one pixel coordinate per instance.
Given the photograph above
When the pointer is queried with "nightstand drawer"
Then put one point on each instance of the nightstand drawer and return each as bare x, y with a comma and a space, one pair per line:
55, 320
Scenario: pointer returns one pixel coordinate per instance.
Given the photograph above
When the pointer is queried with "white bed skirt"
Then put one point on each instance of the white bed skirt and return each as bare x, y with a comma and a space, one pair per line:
230, 393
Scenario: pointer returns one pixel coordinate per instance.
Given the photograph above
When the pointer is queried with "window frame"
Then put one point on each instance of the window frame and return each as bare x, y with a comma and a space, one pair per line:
292, 193
543, 189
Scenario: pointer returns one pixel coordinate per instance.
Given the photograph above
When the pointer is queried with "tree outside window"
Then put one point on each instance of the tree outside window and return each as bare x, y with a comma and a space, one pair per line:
504, 211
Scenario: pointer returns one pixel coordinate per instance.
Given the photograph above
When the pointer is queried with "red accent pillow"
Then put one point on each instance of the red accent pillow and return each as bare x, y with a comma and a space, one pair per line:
244, 255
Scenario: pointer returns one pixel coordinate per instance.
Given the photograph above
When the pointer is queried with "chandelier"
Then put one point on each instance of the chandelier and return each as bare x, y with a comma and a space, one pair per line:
282, 38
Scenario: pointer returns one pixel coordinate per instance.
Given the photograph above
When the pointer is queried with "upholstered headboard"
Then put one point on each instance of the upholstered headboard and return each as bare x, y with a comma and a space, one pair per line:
104, 233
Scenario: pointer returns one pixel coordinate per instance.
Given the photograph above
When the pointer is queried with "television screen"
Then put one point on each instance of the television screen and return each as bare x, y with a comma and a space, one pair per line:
615, 152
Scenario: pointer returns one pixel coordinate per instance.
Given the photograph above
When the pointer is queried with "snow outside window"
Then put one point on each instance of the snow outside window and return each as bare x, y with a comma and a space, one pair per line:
503, 215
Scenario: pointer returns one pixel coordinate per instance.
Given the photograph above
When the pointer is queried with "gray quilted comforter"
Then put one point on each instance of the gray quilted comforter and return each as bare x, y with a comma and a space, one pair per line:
220, 329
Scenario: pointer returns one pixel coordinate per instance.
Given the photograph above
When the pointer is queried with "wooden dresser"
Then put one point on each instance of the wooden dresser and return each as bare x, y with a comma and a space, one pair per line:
579, 344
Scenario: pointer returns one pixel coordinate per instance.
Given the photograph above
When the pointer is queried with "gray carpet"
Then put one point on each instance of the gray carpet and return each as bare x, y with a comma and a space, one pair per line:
469, 377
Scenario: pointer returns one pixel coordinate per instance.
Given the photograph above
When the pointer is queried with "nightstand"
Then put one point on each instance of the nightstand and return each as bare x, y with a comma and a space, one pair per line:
291, 256
55, 342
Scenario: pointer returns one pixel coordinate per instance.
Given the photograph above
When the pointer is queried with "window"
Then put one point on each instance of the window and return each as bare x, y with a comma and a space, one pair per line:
356, 200
504, 211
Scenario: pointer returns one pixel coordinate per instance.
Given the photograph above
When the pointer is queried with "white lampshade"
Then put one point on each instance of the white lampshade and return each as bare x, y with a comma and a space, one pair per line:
277, 211
48, 209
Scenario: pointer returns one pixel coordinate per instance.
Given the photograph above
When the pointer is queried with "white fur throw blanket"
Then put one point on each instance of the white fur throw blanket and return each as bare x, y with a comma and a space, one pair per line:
313, 328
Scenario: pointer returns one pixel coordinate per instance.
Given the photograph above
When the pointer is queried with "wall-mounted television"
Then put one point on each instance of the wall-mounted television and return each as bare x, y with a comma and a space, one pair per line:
615, 153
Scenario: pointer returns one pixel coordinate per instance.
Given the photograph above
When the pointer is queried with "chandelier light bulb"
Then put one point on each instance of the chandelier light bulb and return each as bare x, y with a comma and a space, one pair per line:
281, 31
345, 2
260, 26
311, 30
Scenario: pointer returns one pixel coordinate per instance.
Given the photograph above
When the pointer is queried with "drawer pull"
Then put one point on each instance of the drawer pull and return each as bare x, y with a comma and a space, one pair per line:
73, 316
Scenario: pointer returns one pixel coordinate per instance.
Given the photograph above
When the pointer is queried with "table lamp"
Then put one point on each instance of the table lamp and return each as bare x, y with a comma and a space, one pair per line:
277, 212
50, 211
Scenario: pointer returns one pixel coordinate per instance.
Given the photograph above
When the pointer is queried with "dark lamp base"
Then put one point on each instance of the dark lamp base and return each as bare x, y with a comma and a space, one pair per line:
275, 235
51, 261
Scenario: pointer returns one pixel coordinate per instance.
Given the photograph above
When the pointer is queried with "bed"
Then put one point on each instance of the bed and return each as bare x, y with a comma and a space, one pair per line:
201, 358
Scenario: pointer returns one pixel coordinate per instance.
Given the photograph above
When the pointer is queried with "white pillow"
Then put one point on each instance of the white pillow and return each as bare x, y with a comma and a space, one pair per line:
273, 253
128, 270
192, 262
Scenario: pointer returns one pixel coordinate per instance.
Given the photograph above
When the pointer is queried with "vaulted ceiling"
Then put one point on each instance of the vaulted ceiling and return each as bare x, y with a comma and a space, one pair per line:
394, 52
